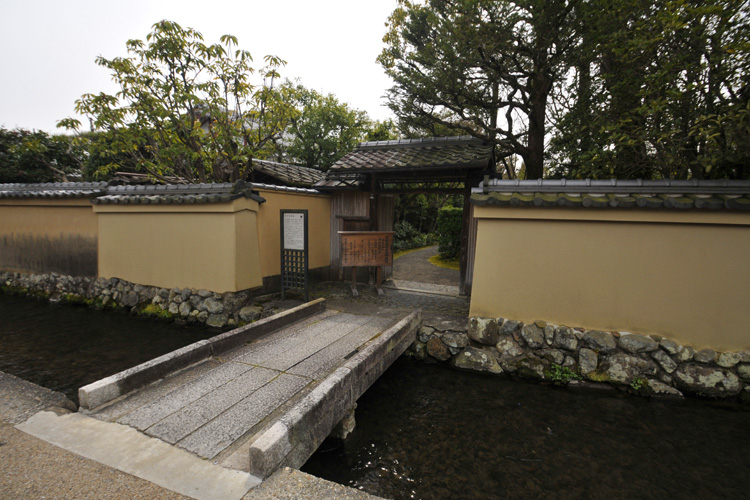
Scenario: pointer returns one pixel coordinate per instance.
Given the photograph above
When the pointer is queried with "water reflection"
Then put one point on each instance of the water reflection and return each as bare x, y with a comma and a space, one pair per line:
430, 433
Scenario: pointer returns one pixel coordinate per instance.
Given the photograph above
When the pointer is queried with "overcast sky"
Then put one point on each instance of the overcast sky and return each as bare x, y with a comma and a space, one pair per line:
48, 47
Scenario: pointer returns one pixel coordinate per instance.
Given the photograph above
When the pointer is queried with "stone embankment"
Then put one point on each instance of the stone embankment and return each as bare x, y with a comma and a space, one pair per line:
187, 304
648, 365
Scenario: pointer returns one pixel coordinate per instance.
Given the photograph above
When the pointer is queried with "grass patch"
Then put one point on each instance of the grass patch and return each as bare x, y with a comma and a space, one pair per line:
435, 260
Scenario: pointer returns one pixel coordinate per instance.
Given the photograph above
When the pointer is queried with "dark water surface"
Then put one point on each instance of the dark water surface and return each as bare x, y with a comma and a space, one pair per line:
64, 347
428, 432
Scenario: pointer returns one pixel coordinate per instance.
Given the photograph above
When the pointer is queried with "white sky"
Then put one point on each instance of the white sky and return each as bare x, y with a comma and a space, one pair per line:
48, 47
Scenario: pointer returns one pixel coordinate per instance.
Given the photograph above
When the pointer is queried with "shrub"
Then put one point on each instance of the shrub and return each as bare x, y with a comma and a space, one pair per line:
406, 236
449, 232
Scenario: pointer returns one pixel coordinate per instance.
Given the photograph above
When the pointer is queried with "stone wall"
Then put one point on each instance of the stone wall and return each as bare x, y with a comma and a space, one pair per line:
648, 365
184, 305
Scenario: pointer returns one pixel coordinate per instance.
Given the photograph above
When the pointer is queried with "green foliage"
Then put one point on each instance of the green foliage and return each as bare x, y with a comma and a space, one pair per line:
185, 108
154, 311
659, 90
482, 67
382, 131
449, 232
35, 156
407, 236
615, 88
560, 375
639, 384
324, 130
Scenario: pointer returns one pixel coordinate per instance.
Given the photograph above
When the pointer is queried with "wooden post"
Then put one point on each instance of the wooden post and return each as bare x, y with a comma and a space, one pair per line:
466, 216
373, 216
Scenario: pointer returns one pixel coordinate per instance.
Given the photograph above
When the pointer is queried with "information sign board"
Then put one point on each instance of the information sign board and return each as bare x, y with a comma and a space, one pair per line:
294, 258
366, 248
294, 230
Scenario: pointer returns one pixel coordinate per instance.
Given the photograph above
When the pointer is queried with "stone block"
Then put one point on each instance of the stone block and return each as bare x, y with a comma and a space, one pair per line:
425, 333
705, 356
476, 359
251, 313
565, 338
510, 326
634, 343
455, 340
484, 330
729, 359
217, 320
667, 363
588, 360
706, 381
602, 342
508, 347
437, 349
684, 354
624, 369
533, 336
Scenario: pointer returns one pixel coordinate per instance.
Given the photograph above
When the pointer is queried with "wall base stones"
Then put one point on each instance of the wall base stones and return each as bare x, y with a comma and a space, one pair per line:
646, 365
181, 305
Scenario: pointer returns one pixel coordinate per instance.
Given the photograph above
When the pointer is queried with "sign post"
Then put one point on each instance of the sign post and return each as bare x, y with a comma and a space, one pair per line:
294, 251
366, 248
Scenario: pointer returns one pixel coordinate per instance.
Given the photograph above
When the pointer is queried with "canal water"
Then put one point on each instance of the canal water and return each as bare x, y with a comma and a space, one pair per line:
64, 347
428, 432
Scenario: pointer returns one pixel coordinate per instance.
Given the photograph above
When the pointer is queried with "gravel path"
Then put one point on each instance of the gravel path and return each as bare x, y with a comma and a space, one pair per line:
414, 266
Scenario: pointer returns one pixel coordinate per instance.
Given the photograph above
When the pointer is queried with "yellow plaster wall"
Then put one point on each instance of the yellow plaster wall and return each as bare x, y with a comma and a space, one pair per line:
682, 275
48, 217
41, 235
211, 246
269, 228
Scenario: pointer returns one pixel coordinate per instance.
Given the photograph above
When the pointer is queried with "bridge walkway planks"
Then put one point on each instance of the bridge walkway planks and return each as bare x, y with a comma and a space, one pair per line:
217, 407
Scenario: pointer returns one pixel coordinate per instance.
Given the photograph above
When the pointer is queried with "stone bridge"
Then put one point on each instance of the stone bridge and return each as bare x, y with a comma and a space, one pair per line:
252, 400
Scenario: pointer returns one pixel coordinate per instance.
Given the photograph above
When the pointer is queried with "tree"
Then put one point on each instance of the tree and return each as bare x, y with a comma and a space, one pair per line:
186, 108
485, 67
660, 89
324, 129
35, 156
382, 131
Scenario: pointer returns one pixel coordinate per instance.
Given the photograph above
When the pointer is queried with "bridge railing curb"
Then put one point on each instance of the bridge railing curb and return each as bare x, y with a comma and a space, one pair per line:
110, 388
290, 441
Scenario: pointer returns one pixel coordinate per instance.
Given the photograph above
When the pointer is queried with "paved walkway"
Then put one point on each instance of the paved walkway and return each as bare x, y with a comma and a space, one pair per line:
214, 407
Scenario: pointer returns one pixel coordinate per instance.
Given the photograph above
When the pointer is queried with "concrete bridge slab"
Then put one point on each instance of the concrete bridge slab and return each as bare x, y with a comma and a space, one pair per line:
262, 400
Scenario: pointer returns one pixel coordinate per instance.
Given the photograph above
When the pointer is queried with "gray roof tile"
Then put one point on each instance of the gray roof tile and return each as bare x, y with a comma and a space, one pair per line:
665, 194
176, 194
416, 154
53, 190
293, 175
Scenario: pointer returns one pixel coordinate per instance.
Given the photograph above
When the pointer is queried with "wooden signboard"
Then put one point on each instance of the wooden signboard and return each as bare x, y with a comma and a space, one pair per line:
366, 248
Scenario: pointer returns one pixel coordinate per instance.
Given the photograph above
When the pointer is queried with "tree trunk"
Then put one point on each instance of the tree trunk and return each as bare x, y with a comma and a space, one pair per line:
534, 158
